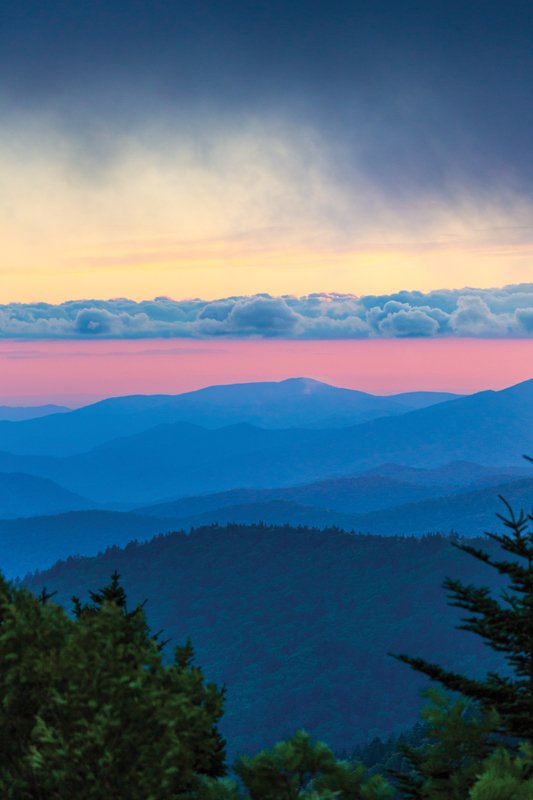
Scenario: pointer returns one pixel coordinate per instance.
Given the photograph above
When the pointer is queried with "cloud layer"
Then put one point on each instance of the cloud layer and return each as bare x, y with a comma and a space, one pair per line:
481, 313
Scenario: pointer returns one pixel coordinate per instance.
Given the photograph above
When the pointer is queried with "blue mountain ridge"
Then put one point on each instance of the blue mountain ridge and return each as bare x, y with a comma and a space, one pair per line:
181, 459
37, 542
296, 402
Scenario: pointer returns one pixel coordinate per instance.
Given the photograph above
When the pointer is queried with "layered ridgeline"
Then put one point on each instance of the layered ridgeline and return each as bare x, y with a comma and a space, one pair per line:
406, 473
18, 413
24, 495
178, 459
297, 623
296, 402
459, 497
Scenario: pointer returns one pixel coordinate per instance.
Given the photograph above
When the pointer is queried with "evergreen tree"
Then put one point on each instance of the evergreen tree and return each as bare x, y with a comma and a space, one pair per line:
506, 776
505, 624
299, 769
445, 766
89, 710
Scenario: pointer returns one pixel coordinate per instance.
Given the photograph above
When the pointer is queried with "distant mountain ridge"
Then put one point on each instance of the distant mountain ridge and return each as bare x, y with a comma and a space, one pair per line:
23, 495
36, 542
332, 501
296, 402
18, 413
469, 513
182, 459
382, 487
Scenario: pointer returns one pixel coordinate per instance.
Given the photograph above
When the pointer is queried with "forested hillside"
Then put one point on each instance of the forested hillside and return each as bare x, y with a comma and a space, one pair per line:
297, 623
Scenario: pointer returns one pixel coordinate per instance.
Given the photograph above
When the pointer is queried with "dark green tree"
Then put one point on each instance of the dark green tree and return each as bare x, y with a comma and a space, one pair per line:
89, 709
300, 769
458, 740
474, 754
505, 776
505, 624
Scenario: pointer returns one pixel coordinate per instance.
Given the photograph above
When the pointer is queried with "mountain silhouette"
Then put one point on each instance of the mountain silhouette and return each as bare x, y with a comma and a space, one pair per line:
180, 459
17, 413
23, 495
300, 402
382, 487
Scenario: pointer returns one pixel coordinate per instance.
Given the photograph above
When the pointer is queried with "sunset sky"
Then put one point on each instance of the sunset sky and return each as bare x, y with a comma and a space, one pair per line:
211, 149
342, 149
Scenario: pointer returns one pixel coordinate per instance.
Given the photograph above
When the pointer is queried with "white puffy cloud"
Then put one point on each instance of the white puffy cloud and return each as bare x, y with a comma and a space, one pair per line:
503, 312
473, 317
525, 319
408, 322
270, 316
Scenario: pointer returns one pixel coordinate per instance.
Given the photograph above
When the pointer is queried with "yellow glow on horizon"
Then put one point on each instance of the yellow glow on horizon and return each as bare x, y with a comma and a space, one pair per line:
215, 274
257, 211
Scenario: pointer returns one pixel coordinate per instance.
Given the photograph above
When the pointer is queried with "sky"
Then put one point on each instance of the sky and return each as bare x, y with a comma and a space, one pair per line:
212, 150
74, 373
203, 191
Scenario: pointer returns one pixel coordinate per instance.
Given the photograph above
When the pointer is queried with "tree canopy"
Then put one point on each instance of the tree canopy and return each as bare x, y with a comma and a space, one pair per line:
89, 710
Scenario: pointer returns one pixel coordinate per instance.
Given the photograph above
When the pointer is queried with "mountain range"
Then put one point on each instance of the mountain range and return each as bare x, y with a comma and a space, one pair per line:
18, 413
406, 473
180, 459
382, 487
23, 495
294, 615
468, 513
296, 402
37, 542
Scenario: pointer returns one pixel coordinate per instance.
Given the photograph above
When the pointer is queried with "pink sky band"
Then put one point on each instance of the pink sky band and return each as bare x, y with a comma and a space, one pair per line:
77, 372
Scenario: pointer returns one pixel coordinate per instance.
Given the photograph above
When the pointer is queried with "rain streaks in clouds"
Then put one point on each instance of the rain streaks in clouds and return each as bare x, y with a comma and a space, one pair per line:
288, 148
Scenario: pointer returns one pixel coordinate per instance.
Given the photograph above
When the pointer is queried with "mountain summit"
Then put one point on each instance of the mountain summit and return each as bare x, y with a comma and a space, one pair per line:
295, 402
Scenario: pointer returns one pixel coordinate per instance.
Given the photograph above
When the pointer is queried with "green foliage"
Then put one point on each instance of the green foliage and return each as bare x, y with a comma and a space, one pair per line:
386, 756
506, 777
459, 738
218, 789
89, 709
301, 652
299, 769
504, 624
465, 757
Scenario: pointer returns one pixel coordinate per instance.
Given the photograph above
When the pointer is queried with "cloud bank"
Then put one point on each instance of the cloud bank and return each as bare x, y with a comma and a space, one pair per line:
483, 313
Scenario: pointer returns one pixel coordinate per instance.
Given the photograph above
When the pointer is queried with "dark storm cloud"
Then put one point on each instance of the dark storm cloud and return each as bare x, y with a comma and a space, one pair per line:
420, 92
506, 312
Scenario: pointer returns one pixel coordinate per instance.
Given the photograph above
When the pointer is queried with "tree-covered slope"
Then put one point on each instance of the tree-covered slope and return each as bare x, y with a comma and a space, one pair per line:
297, 623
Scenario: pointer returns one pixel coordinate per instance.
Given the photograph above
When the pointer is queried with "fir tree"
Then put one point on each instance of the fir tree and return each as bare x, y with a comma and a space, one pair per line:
506, 776
445, 766
505, 624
